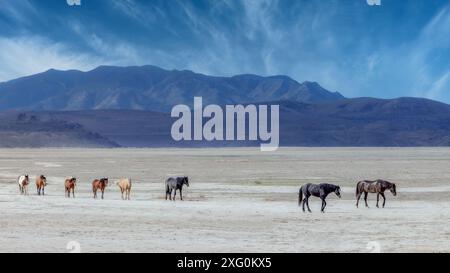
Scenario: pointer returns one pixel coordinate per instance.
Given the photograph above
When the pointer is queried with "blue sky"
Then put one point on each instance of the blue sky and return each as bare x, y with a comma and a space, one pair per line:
401, 48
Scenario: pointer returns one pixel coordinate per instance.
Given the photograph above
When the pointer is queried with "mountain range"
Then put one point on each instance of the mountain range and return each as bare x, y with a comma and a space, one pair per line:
129, 106
149, 88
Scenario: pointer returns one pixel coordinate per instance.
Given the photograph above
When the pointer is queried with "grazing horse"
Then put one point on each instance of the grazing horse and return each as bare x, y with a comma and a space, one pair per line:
176, 183
41, 182
69, 185
321, 191
99, 184
125, 187
376, 186
23, 182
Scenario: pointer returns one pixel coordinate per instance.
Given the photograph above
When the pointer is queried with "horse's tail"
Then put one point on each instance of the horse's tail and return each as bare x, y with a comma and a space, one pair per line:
300, 196
357, 189
167, 186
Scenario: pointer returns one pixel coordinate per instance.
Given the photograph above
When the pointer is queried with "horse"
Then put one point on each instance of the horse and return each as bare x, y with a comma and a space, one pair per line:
69, 185
99, 184
176, 183
41, 182
376, 186
23, 182
125, 187
321, 191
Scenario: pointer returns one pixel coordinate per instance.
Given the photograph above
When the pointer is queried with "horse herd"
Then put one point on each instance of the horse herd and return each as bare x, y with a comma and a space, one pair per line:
362, 187
172, 184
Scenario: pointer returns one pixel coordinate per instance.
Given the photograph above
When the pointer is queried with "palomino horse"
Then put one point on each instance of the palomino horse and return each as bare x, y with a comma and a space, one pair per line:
23, 182
176, 183
69, 185
99, 184
41, 182
376, 186
321, 191
125, 187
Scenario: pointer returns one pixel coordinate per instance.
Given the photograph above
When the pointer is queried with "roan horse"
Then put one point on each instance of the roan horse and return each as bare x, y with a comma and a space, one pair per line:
321, 191
125, 187
176, 183
69, 185
99, 184
41, 182
23, 182
376, 186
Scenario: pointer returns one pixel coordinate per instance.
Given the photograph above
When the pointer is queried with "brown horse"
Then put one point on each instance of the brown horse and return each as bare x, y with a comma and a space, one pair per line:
41, 182
125, 187
99, 184
70, 186
376, 186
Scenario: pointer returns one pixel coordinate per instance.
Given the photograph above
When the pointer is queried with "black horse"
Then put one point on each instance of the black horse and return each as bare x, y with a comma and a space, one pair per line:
321, 191
176, 183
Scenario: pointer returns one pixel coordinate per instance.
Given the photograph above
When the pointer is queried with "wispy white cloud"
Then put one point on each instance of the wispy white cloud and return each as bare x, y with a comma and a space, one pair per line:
29, 55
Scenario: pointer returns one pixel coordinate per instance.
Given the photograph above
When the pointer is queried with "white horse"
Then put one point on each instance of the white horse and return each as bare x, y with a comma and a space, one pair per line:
23, 182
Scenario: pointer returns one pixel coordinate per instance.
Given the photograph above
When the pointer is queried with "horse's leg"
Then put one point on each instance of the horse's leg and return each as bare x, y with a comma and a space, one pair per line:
378, 199
307, 203
103, 193
324, 204
303, 205
43, 190
384, 198
73, 192
174, 194
38, 190
365, 199
181, 194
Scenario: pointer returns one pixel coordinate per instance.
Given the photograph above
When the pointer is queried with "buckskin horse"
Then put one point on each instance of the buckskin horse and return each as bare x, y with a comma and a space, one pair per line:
376, 186
41, 182
69, 185
99, 184
125, 187
321, 191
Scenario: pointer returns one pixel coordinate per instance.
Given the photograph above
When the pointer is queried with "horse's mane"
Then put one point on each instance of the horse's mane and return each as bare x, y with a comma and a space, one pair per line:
330, 186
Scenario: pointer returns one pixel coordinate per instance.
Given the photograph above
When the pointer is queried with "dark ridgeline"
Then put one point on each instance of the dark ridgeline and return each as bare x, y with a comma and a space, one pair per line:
149, 88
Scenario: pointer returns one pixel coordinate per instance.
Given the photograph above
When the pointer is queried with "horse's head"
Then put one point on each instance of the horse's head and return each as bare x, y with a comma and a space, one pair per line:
105, 180
26, 177
337, 191
73, 180
393, 190
186, 181
44, 179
